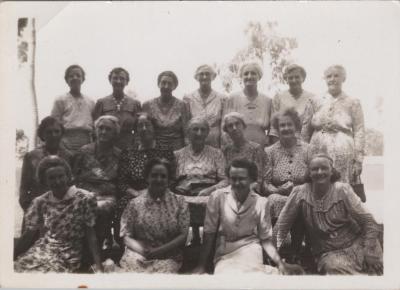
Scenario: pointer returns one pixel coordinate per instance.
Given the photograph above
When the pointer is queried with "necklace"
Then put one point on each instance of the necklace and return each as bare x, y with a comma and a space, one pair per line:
118, 103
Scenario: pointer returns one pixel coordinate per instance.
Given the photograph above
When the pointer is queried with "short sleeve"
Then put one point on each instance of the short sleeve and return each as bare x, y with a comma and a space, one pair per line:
264, 226
34, 216
184, 215
58, 109
127, 220
213, 213
90, 205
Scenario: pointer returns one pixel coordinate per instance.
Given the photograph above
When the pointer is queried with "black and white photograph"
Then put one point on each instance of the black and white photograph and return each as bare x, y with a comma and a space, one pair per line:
200, 145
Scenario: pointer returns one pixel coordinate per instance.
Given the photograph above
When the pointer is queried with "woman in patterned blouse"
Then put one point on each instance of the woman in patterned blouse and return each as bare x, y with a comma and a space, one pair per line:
334, 124
155, 225
63, 216
171, 114
234, 124
343, 234
131, 179
207, 103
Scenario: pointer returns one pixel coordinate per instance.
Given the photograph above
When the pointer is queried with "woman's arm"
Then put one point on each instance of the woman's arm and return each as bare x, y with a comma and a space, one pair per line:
25, 242
135, 246
271, 251
160, 251
208, 244
306, 129
94, 247
358, 135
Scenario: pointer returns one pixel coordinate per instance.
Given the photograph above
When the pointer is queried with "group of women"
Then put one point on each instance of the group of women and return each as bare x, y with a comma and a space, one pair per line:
249, 169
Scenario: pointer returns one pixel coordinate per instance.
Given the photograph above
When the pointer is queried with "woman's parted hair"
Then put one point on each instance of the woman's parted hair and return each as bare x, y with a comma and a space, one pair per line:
170, 74
294, 67
236, 115
114, 120
118, 70
159, 161
47, 122
339, 67
335, 174
289, 112
246, 164
71, 67
48, 162
148, 117
198, 120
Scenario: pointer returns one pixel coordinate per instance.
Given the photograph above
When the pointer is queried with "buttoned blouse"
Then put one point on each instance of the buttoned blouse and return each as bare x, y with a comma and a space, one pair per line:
257, 114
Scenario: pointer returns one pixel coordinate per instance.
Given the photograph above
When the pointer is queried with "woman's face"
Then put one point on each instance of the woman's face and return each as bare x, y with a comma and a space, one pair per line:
118, 81
75, 79
320, 170
286, 127
105, 131
240, 180
204, 78
145, 129
295, 80
57, 180
198, 133
250, 77
234, 127
158, 178
334, 80
166, 85
52, 135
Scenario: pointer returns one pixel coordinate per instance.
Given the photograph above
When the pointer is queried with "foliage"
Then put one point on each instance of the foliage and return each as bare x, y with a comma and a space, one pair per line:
373, 142
266, 46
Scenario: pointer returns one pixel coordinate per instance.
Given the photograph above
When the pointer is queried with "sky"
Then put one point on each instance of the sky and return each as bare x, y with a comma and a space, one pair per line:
147, 38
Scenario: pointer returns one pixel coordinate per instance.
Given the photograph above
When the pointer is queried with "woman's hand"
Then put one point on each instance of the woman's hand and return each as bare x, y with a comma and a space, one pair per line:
199, 270
373, 264
290, 269
286, 188
206, 191
133, 193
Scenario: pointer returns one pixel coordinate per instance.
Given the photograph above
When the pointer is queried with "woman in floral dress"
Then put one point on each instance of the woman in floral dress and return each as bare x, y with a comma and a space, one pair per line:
155, 225
334, 125
170, 113
63, 216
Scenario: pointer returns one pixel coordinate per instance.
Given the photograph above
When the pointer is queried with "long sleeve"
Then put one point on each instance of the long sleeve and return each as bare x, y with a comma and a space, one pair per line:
357, 211
26, 184
98, 110
287, 216
358, 130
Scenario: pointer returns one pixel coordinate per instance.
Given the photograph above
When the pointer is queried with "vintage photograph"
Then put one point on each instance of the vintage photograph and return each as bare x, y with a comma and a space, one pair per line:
199, 139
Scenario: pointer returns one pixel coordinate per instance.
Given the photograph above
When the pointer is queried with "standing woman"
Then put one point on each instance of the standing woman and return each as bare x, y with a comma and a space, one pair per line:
117, 104
207, 103
95, 169
255, 106
74, 110
334, 124
50, 131
63, 217
171, 115
295, 97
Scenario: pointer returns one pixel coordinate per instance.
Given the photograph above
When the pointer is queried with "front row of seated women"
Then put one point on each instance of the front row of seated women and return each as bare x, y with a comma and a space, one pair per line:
154, 226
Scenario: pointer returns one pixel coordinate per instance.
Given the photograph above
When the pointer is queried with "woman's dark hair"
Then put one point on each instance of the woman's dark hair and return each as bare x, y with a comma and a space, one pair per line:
71, 67
47, 122
118, 70
147, 116
246, 164
289, 112
49, 162
168, 73
159, 161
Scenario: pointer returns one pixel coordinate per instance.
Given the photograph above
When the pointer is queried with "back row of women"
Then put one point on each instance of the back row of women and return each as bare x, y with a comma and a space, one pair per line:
190, 133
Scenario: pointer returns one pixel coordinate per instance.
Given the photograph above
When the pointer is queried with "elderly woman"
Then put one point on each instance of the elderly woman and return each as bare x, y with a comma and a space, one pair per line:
132, 181
334, 124
155, 225
95, 169
63, 216
286, 161
343, 234
170, 113
74, 110
255, 106
238, 220
234, 125
295, 96
207, 103
117, 104
50, 131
